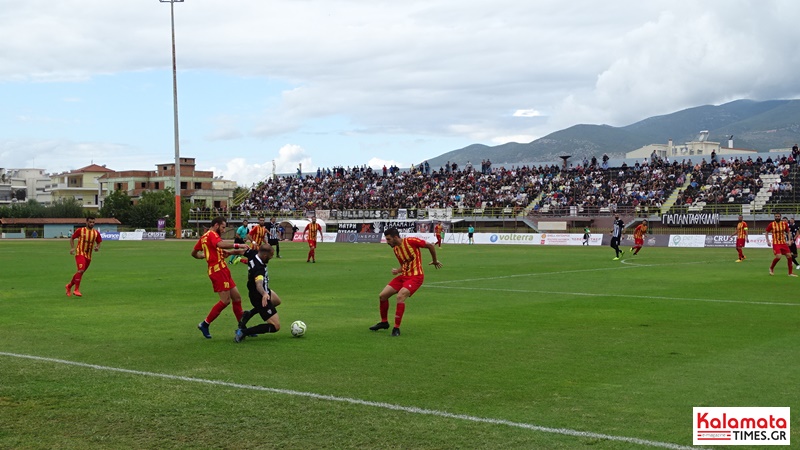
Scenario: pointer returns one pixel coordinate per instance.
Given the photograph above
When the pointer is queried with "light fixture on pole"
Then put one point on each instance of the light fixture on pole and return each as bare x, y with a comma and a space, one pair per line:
175, 121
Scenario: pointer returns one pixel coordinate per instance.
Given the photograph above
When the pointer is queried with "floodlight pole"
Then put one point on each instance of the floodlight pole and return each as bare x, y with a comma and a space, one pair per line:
175, 121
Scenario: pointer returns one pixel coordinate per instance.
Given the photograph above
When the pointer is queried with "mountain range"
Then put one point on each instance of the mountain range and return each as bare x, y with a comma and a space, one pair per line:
755, 125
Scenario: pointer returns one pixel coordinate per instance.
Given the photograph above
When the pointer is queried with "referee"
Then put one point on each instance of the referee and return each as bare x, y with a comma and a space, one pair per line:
274, 236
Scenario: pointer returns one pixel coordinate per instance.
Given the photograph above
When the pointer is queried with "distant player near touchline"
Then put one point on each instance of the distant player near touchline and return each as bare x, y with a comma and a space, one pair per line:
239, 238
793, 229
409, 277
741, 237
438, 231
586, 235
314, 230
88, 239
616, 236
274, 237
778, 229
638, 237
471, 234
211, 247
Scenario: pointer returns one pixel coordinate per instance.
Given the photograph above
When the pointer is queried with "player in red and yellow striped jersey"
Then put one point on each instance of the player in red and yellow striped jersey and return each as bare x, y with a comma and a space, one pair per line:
741, 237
779, 229
257, 234
638, 237
88, 240
211, 247
314, 231
409, 276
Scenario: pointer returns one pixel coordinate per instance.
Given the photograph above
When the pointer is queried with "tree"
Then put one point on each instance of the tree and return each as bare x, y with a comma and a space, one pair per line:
67, 207
117, 205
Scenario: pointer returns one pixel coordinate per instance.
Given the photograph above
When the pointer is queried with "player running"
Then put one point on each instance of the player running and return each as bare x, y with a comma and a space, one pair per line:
638, 237
88, 239
314, 230
741, 237
779, 229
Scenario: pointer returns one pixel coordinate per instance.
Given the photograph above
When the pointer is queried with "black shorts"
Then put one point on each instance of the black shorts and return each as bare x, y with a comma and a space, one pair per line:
793, 249
272, 242
266, 313
238, 240
470, 234
615, 241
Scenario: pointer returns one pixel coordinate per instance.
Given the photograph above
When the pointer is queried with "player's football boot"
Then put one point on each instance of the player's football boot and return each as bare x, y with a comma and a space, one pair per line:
69, 288
380, 326
77, 293
238, 336
203, 327
395, 331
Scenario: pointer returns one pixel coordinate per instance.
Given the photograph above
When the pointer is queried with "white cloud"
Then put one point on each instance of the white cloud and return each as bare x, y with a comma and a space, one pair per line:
527, 113
378, 163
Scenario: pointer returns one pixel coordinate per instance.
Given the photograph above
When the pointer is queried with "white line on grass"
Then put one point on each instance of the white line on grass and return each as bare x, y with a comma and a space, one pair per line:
538, 274
355, 401
611, 294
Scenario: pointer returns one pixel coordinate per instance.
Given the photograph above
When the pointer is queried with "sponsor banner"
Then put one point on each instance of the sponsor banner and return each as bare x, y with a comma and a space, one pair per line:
508, 238
323, 214
354, 238
109, 235
690, 219
687, 240
740, 426
130, 236
357, 227
154, 235
326, 237
569, 239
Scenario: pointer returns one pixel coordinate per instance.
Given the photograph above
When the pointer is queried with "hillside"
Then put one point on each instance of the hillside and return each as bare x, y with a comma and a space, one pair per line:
754, 125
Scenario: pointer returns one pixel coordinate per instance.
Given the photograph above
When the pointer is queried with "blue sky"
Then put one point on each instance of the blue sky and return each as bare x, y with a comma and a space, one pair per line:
345, 82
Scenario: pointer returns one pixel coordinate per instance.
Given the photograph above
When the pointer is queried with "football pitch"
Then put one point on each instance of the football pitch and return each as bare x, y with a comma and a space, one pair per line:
504, 347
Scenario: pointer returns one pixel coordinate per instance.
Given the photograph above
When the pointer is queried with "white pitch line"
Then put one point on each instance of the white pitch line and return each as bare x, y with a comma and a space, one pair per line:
539, 274
592, 294
355, 401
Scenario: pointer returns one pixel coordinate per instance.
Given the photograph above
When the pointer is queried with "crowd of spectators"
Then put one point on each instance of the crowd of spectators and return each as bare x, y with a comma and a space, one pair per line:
734, 180
365, 188
589, 187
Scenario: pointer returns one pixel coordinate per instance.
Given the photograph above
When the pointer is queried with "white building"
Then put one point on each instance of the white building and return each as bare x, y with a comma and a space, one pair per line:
701, 147
14, 181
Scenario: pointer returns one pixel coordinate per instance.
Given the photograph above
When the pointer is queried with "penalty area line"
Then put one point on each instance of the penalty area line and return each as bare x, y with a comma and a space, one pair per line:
355, 401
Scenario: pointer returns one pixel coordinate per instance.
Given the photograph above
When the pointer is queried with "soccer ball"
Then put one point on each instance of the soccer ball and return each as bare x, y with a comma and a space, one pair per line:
298, 328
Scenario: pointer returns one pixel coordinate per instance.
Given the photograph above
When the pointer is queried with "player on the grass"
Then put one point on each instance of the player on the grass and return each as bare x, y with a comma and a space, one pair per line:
638, 237
616, 236
240, 237
409, 276
211, 247
778, 229
793, 228
274, 236
741, 237
314, 230
263, 299
88, 239
438, 231
257, 234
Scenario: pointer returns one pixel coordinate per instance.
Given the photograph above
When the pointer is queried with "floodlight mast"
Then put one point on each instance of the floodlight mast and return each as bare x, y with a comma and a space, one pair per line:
175, 121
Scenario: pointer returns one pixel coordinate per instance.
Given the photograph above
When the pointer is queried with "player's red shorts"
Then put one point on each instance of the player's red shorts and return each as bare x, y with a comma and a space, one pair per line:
781, 249
312, 244
82, 262
222, 280
638, 242
412, 283
739, 243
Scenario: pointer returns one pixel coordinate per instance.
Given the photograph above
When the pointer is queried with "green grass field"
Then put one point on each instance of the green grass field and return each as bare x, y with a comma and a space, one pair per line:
504, 347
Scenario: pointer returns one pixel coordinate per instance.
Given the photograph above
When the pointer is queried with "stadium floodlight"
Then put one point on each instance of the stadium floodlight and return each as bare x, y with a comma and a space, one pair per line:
175, 121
